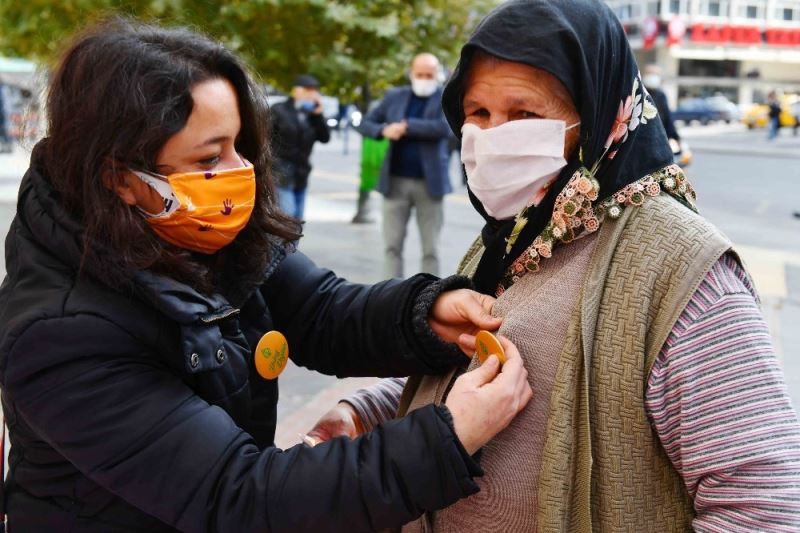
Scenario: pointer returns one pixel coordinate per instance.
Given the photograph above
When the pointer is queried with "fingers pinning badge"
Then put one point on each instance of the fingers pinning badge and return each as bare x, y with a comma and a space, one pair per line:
487, 344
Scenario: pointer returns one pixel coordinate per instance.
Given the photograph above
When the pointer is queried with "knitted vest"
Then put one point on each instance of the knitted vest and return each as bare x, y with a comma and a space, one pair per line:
602, 466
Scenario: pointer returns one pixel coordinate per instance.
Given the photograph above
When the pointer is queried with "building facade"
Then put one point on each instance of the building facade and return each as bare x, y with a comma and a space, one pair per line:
739, 48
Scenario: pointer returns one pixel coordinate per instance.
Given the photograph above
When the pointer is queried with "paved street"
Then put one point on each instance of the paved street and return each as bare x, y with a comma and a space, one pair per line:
746, 185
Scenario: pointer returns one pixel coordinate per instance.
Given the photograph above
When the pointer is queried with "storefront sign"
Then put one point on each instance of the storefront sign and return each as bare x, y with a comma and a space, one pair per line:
744, 35
649, 31
781, 37
676, 29
701, 33
726, 34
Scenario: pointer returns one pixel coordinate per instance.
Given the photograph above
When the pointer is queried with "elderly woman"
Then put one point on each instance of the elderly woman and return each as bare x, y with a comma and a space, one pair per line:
659, 404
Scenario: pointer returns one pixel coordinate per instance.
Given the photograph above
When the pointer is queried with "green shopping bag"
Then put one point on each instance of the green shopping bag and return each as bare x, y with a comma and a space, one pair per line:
373, 151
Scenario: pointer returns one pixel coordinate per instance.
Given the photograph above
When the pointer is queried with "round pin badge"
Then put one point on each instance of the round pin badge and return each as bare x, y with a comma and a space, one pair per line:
487, 344
272, 354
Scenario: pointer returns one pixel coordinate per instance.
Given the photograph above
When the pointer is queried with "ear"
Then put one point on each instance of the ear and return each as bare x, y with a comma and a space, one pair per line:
122, 188
125, 192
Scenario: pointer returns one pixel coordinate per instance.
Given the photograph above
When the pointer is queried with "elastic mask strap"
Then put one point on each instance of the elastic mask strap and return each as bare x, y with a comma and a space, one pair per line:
573, 126
159, 184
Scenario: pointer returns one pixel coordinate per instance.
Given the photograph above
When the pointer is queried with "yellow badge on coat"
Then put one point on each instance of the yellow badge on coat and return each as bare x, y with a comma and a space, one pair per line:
487, 344
272, 354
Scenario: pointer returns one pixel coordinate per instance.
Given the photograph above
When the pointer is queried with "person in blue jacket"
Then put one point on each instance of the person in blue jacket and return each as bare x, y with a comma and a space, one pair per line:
147, 258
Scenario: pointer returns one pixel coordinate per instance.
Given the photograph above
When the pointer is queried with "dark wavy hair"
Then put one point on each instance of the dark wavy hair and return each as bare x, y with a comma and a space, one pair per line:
121, 90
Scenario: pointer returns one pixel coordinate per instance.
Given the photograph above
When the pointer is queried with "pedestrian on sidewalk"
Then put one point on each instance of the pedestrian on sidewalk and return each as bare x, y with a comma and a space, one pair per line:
297, 124
652, 81
659, 402
146, 259
414, 175
774, 115
344, 120
5, 141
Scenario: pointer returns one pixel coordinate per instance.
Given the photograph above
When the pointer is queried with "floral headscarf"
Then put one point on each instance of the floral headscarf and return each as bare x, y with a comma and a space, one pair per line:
583, 45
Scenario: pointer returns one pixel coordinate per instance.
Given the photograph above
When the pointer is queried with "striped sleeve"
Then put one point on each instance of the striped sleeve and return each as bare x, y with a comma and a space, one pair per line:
377, 403
719, 404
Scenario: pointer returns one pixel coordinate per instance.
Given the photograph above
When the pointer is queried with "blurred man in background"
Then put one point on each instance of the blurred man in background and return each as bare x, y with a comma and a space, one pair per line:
297, 124
652, 81
414, 174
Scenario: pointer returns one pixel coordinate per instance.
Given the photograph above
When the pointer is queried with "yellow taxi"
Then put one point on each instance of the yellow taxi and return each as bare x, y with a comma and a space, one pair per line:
757, 116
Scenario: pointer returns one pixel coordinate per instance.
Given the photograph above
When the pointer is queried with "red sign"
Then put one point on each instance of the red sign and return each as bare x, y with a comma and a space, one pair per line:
726, 34
675, 31
781, 37
701, 33
649, 31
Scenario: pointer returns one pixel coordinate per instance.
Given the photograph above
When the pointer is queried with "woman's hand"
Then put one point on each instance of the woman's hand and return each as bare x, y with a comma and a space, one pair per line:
458, 315
483, 402
341, 421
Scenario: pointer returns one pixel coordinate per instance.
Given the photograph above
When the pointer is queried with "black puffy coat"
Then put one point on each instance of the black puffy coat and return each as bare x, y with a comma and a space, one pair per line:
143, 411
293, 136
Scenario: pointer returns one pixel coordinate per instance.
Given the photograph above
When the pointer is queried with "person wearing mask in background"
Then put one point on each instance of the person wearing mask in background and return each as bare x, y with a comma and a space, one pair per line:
146, 260
297, 124
414, 174
652, 81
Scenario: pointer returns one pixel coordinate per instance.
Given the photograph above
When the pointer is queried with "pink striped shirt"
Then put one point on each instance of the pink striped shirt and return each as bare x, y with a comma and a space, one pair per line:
718, 402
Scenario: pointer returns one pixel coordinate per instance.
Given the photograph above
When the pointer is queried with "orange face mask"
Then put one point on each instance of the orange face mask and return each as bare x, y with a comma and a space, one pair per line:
203, 211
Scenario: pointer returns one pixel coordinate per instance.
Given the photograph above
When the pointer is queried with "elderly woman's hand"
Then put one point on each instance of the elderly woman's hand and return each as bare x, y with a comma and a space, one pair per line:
458, 315
341, 421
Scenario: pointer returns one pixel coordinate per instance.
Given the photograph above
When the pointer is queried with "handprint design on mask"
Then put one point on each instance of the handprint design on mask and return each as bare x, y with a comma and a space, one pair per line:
228, 207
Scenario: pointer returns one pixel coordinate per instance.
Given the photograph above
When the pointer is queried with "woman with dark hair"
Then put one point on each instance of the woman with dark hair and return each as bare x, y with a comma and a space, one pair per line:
659, 402
146, 260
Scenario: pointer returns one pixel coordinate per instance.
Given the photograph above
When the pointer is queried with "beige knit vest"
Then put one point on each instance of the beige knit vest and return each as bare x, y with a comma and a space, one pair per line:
602, 468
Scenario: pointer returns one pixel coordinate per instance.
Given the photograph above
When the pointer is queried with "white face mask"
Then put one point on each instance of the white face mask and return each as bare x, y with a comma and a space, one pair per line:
424, 88
652, 80
508, 164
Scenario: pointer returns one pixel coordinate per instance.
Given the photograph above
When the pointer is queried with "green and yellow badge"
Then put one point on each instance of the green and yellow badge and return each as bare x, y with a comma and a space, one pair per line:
272, 354
487, 344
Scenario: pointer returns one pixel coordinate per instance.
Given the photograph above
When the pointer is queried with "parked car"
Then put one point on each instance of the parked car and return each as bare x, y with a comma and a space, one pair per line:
698, 109
730, 111
757, 116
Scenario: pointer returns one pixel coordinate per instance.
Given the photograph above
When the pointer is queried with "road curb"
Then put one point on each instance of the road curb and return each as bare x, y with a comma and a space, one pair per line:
788, 153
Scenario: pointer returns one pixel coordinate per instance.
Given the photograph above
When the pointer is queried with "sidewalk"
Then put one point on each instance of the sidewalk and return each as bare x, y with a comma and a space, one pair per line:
741, 141
12, 168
